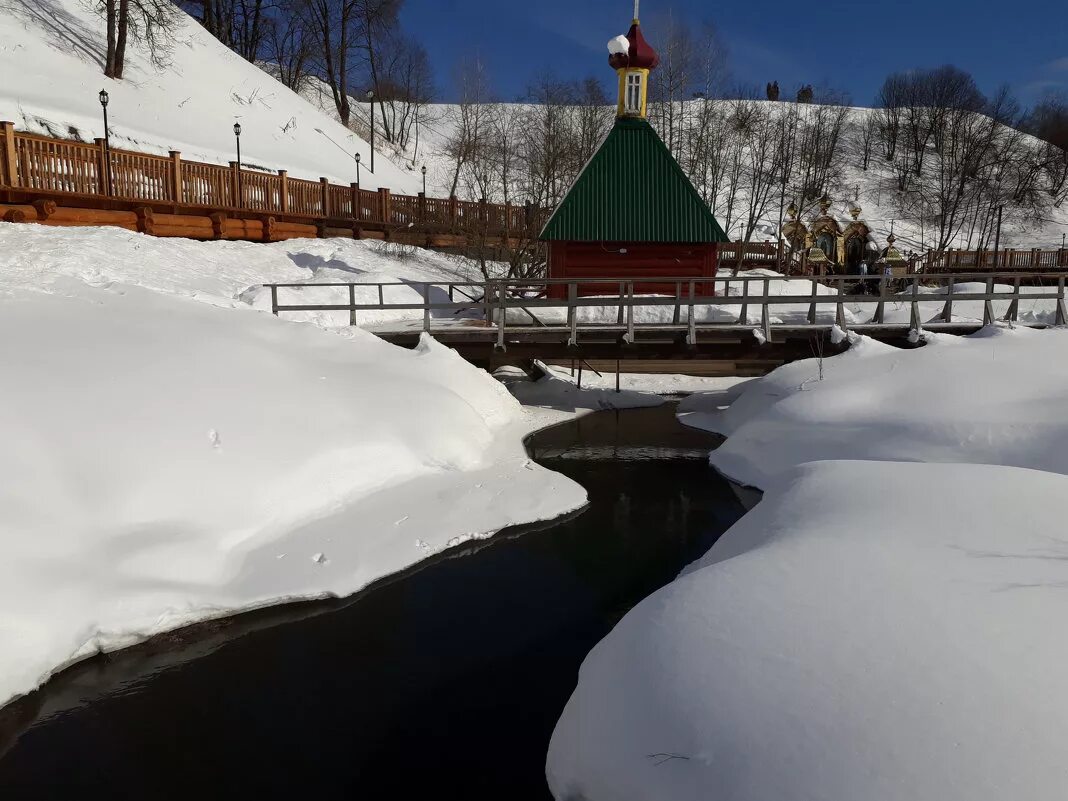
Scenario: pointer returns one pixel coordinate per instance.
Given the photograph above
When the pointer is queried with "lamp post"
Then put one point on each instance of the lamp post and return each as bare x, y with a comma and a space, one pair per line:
239, 201
424, 180
371, 100
357, 170
107, 178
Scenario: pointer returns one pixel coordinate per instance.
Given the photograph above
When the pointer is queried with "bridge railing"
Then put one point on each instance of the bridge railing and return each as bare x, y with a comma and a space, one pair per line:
503, 309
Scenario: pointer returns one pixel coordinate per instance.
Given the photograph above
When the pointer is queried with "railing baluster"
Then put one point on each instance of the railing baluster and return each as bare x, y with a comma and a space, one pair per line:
988, 305
1062, 314
765, 310
502, 316
914, 314
678, 302
426, 307
352, 304
812, 305
1012, 315
743, 315
691, 335
572, 315
947, 310
630, 313
619, 316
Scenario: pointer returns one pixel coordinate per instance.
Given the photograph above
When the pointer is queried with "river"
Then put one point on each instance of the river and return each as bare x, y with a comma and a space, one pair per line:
443, 683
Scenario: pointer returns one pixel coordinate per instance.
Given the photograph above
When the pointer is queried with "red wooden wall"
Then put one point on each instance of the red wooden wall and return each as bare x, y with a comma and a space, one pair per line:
629, 260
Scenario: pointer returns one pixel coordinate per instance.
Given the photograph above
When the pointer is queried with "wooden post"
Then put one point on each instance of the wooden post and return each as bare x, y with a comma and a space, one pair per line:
422, 206
384, 205
102, 177
325, 186
177, 188
355, 190
235, 183
9, 171
283, 179
454, 210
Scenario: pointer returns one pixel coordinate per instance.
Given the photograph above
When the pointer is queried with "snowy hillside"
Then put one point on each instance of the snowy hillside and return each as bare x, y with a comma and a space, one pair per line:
52, 51
874, 188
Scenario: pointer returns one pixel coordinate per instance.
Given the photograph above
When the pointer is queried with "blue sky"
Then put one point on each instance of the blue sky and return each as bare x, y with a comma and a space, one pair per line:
849, 46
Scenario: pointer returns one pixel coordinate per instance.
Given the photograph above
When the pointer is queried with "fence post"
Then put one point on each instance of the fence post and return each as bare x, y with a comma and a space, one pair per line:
454, 210
1035, 257
384, 205
354, 189
325, 186
177, 188
9, 172
283, 192
235, 184
102, 177
422, 206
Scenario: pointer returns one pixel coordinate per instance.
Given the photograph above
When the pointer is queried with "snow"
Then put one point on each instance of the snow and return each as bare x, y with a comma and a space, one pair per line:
882, 625
860, 634
557, 389
189, 104
993, 398
620, 45
172, 454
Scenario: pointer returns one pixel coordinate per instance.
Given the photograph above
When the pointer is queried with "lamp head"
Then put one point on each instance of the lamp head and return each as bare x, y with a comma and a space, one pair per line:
103, 97
237, 129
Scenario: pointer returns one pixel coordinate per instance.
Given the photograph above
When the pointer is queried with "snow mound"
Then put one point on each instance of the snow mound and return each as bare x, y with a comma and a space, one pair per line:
164, 442
996, 397
871, 630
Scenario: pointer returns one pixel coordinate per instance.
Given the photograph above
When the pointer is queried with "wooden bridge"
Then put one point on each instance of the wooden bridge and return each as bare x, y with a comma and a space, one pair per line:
749, 321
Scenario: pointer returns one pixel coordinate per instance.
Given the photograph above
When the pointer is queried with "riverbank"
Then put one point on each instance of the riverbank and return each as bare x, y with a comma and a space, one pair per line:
883, 624
465, 661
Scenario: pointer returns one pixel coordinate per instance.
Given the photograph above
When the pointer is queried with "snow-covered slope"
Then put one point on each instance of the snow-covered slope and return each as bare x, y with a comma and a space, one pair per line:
875, 188
173, 454
52, 54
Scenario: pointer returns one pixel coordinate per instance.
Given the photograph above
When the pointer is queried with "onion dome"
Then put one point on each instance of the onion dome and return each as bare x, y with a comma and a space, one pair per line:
639, 55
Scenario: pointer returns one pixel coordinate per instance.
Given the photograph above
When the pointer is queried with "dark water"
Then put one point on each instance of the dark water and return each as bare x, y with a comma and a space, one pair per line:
444, 684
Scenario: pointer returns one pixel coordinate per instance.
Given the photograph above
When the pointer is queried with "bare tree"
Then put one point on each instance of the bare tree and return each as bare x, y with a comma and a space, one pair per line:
148, 22
288, 46
405, 87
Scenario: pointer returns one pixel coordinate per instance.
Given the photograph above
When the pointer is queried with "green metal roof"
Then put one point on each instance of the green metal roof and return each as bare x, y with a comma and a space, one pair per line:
633, 190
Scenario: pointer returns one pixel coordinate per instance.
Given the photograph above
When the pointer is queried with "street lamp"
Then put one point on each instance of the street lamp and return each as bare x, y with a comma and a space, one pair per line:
357, 170
371, 100
424, 180
107, 143
237, 137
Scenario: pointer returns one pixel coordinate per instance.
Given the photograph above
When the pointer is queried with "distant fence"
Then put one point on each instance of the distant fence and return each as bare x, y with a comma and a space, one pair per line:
1033, 260
34, 163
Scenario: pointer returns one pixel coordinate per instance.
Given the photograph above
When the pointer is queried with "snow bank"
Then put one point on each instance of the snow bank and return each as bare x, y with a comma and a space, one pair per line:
881, 629
189, 104
993, 398
557, 389
858, 635
172, 455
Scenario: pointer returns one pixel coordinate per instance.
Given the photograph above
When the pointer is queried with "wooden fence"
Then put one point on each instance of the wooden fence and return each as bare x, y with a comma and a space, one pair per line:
34, 163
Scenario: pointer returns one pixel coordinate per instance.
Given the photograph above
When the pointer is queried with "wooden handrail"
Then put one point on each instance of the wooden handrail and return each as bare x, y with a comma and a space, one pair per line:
33, 162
